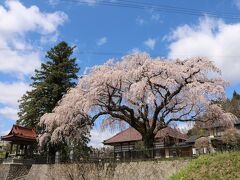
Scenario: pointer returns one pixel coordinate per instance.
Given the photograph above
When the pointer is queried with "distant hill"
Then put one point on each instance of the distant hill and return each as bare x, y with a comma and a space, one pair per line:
213, 166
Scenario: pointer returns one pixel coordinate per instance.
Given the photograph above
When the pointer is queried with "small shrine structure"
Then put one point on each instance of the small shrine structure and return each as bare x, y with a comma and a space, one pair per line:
22, 141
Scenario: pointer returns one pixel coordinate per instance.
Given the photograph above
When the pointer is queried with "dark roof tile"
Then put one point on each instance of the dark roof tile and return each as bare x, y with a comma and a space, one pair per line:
21, 132
130, 134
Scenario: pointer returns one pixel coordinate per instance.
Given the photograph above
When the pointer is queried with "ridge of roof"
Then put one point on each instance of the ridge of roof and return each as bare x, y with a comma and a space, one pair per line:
21, 132
15, 125
237, 122
117, 134
131, 134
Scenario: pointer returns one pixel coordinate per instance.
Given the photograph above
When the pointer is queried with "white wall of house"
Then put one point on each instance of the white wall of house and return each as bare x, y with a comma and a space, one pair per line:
167, 154
194, 151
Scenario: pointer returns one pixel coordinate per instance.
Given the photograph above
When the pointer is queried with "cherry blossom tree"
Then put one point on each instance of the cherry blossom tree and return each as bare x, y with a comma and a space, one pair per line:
215, 116
202, 142
231, 137
147, 93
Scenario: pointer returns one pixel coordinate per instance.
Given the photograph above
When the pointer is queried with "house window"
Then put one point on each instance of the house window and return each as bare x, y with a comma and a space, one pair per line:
117, 148
218, 131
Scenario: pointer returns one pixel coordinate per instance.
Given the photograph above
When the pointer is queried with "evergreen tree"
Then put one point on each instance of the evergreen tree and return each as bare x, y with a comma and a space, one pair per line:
233, 105
50, 83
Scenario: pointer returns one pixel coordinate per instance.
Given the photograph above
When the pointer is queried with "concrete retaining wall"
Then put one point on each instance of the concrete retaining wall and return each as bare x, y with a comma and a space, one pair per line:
13, 171
4, 169
149, 170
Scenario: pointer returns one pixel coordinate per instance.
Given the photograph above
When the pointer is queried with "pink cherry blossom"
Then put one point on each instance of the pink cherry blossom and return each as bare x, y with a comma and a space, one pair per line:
146, 93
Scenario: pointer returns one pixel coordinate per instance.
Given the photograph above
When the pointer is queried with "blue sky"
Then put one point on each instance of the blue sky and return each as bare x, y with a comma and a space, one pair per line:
29, 28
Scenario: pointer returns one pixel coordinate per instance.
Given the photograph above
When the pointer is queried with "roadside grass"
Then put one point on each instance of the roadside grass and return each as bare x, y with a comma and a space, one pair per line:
223, 166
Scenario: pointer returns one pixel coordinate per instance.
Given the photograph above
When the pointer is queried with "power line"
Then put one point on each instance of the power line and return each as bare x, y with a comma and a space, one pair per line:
182, 8
106, 53
102, 53
159, 8
19, 49
118, 53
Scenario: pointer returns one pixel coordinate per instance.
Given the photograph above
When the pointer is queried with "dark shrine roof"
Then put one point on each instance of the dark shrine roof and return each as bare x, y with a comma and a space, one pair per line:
19, 133
131, 134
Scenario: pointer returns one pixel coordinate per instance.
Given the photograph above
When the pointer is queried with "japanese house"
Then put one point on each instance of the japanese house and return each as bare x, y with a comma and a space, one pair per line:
169, 142
216, 131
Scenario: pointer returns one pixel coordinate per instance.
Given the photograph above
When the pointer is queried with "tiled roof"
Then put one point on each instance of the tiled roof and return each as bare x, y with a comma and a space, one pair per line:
130, 134
192, 139
20, 133
237, 122
217, 124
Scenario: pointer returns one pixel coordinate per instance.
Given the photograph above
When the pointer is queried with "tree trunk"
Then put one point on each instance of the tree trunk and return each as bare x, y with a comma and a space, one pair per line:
148, 140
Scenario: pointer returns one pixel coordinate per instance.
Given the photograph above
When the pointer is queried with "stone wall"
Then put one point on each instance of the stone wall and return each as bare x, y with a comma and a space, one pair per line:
13, 171
18, 170
149, 170
4, 169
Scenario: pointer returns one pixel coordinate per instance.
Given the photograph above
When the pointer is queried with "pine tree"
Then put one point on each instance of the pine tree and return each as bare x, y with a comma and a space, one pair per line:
50, 83
231, 105
235, 104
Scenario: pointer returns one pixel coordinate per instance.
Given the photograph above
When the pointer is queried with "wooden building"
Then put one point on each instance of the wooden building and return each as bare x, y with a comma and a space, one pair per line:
169, 142
22, 140
216, 131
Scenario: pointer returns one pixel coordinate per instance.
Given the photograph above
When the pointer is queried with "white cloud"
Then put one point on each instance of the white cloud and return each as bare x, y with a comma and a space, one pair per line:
102, 41
49, 38
140, 21
4, 132
10, 93
237, 3
211, 38
98, 136
134, 51
17, 55
53, 2
88, 2
15, 61
93, 2
151, 18
150, 43
156, 17
16, 18
9, 113
184, 127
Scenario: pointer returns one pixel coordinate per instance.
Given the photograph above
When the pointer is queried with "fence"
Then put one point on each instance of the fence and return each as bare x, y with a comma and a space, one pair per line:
133, 155
124, 156
18, 161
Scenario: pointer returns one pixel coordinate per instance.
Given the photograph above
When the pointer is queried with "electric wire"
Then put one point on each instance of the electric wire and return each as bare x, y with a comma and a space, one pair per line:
159, 8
